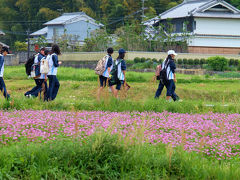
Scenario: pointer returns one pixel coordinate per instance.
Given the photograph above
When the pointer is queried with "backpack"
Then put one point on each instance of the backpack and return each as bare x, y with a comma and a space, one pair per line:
100, 68
28, 65
157, 72
35, 68
44, 66
163, 73
114, 72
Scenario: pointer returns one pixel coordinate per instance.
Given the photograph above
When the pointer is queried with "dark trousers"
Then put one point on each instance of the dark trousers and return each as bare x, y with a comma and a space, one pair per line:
170, 85
3, 88
38, 88
53, 87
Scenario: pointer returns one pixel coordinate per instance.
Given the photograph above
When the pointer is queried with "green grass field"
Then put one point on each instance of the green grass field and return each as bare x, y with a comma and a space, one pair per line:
78, 89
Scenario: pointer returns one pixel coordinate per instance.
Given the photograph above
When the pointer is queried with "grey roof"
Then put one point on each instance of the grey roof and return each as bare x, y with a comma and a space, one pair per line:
198, 8
40, 32
68, 18
2, 44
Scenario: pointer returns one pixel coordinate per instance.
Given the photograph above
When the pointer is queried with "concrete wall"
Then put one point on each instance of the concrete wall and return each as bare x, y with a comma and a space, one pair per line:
11, 60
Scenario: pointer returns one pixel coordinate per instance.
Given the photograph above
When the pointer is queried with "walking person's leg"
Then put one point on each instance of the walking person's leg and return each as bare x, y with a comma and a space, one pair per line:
103, 82
33, 89
169, 86
56, 87
174, 95
159, 90
3, 88
51, 87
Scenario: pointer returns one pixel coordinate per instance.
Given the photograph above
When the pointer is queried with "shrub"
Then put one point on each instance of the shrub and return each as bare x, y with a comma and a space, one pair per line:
185, 61
196, 61
137, 60
154, 60
202, 61
231, 62
218, 63
143, 59
160, 61
190, 61
236, 62
179, 61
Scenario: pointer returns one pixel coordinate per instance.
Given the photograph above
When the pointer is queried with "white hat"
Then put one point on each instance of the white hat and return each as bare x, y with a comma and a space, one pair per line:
172, 52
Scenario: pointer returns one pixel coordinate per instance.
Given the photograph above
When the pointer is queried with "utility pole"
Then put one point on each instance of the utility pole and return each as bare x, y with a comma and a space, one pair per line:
28, 53
143, 9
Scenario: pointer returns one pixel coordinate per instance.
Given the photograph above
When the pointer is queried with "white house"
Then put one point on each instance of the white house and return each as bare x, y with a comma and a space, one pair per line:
213, 24
76, 24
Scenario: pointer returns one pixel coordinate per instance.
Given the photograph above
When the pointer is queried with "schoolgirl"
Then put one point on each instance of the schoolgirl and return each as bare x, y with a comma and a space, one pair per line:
170, 67
52, 75
121, 69
4, 52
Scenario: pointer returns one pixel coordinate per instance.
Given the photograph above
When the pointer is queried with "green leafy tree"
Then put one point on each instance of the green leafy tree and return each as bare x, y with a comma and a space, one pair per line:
20, 46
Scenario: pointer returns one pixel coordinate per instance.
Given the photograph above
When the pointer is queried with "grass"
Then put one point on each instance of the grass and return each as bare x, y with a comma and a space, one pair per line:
79, 86
103, 156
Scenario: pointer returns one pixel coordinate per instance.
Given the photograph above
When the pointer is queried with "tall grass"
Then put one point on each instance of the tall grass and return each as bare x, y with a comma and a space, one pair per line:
104, 156
78, 89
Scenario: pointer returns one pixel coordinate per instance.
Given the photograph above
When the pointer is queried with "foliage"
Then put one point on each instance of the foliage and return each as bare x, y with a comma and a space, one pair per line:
20, 46
99, 41
104, 156
41, 41
218, 63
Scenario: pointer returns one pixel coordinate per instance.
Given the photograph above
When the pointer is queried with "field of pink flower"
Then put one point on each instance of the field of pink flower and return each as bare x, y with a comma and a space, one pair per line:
216, 135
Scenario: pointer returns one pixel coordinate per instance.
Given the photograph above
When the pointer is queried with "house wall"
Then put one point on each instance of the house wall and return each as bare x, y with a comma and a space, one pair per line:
215, 41
217, 26
59, 31
82, 29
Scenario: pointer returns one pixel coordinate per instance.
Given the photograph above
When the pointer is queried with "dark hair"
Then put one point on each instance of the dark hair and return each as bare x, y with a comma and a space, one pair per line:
46, 52
110, 50
121, 56
169, 57
4, 48
42, 49
56, 49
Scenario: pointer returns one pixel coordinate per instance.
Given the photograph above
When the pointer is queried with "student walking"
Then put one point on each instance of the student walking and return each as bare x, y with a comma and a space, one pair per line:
52, 75
4, 52
108, 67
169, 65
38, 80
118, 73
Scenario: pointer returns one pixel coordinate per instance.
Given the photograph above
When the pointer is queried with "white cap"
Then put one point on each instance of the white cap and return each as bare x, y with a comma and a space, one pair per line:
172, 52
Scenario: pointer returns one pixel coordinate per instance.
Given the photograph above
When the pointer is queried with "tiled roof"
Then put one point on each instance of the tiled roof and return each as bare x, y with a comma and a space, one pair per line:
197, 8
70, 18
40, 32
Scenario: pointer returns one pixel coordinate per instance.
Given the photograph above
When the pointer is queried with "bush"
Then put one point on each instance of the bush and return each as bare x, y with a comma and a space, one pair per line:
160, 61
179, 61
218, 63
185, 61
143, 59
190, 61
148, 59
20, 46
196, 61
154, 60
231, 62
137, 60
202, 61
236, 62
